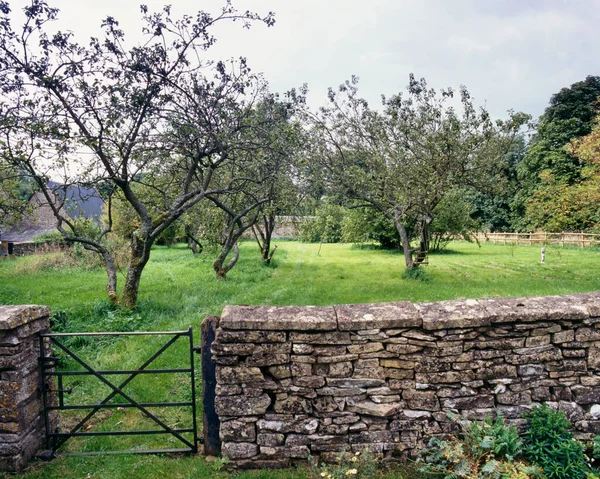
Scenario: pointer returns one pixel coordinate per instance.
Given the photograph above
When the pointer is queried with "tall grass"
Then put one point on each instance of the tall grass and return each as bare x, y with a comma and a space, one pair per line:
179, 289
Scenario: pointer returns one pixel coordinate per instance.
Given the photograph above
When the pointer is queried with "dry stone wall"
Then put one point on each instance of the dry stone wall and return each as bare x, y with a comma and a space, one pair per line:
298, 381
21, 417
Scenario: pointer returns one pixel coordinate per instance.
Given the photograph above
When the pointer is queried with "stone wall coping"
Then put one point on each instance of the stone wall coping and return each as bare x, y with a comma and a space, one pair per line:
432, 316
12, 317
279, 318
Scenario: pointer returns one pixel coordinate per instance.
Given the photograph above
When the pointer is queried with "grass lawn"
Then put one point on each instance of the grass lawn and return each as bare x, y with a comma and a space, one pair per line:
178, 290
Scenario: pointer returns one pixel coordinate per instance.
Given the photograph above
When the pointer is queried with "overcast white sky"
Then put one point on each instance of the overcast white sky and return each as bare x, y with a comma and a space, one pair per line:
511, 54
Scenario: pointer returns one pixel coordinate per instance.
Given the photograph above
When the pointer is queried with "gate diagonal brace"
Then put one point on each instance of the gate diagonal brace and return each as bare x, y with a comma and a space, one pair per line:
119, 390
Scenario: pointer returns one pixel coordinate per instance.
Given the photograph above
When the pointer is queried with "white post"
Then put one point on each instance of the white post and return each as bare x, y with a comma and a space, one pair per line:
543, 254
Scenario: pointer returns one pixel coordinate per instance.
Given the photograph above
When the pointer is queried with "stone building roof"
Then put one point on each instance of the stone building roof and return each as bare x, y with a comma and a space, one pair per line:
81, 202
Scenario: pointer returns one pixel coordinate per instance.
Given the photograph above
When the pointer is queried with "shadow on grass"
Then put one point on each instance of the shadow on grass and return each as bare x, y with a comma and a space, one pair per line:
374, 247
448, 252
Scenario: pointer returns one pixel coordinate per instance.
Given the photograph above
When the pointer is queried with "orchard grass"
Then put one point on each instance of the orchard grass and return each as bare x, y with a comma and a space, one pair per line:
179, 289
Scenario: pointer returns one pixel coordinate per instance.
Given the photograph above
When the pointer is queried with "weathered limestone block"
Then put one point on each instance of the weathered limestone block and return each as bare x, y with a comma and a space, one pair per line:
586, 395
371, 373
340, 370
573, 353
267, 359
354, 317
445, 377
23, 317
369, 437
292, 405
461, 392
554, 328
563, 337
242, 405
239, 450
321, 338
531, 370
270, 440
310, 381
534, 355
373, 409
279, 318
288, 424
453, 314
423, 400
335, 429
359, 426
256, 337
301, 452
239, 374
325, 404
512, 398
594, 356
398, 373
226, 360
280, 371
341, 392
228, 390
354, 382
232, 349
347, 418
365, 348
507, 310
237, 431
329, 350
302, 348
385, 399
397, 364
301, 369
337, 359
469, 403
393, 350
497, 371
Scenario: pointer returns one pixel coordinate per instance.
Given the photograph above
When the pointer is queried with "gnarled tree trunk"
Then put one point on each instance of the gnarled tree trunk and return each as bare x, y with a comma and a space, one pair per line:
111, 271
140, 254
263, 238
220, 268
404, 240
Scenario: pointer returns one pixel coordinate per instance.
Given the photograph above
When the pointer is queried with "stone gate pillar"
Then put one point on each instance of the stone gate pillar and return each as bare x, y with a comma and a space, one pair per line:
21, 405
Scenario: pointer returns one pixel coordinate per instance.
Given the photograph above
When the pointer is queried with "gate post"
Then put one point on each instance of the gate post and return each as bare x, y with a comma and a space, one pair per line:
212, 442
22, 429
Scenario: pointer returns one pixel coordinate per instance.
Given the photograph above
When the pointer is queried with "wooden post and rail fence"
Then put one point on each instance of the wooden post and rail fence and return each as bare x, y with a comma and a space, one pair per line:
541, 238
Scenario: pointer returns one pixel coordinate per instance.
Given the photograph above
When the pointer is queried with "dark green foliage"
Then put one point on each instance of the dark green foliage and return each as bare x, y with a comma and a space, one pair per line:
452, 219
495, 436
549, 443
569, 116
488, 449
325, 226
363, 225
417, 273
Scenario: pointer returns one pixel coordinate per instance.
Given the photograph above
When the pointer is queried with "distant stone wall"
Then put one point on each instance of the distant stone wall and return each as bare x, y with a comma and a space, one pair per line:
298, 381
21, 407
23, 249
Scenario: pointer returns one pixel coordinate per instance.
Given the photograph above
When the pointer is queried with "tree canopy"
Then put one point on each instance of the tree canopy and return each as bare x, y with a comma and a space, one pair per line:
63, 101
404, 160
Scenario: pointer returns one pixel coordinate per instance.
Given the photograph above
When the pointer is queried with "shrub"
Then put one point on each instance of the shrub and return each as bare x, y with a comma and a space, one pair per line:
325, 226
550, 444
416, 273
488, 449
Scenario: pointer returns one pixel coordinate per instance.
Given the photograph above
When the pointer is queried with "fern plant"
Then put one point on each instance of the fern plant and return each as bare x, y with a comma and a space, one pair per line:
487, 450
